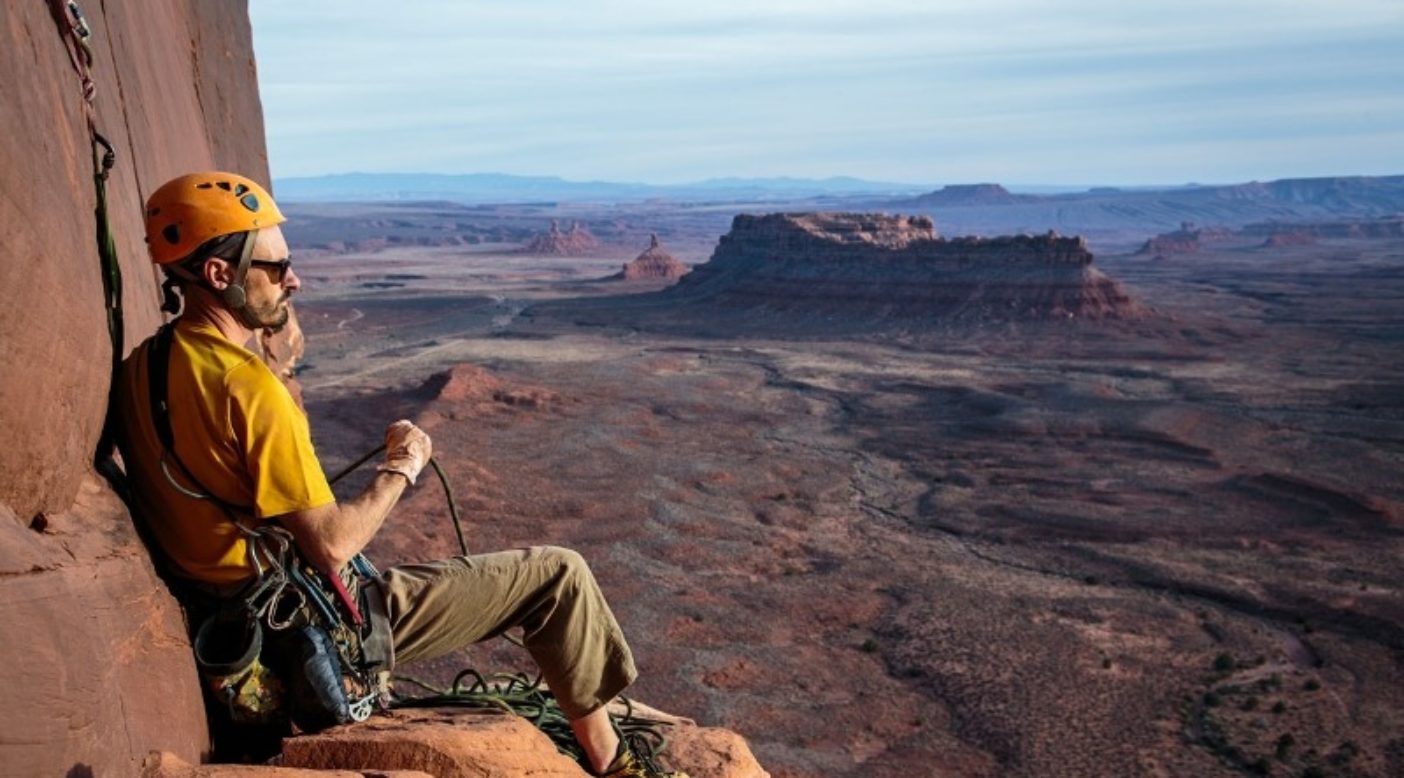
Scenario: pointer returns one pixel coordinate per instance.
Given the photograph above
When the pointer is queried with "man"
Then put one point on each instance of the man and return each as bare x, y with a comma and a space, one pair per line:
241, 456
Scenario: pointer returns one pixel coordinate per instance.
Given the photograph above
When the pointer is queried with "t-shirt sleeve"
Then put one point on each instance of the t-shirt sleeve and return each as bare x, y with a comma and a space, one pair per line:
276, 442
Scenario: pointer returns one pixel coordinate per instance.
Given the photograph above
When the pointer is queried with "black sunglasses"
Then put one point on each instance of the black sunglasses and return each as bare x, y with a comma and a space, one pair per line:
281, 267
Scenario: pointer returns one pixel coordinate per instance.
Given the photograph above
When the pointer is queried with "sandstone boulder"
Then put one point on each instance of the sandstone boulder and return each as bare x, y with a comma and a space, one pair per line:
163, 764
454, 742
446, 744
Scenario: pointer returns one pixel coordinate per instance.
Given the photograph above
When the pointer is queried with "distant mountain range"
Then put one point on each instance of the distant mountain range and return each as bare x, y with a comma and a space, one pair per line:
1367, 195
505, 189
1103, 212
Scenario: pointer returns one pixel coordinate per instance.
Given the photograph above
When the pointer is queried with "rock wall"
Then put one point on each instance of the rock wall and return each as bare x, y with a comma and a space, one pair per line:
873, 266
95, 660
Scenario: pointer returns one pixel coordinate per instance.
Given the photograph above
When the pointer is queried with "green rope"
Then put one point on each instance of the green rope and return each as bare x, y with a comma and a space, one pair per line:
522, 696
111, 290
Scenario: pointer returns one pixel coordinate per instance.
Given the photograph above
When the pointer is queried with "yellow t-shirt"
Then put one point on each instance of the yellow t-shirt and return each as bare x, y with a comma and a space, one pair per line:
236, 429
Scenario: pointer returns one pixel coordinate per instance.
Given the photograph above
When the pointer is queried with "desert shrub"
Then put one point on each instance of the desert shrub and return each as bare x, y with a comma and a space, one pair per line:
1223, 663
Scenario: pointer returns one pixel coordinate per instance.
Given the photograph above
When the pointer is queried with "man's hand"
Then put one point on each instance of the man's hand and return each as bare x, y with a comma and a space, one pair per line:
407, 449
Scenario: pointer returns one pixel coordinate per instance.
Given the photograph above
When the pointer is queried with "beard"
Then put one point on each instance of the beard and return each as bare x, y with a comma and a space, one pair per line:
270, 316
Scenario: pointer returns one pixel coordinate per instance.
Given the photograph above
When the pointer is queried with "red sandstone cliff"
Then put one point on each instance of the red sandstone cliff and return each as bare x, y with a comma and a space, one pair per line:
95, 653
871, 266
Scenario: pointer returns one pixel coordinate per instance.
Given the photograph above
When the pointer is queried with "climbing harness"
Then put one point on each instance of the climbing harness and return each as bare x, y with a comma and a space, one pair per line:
315, 640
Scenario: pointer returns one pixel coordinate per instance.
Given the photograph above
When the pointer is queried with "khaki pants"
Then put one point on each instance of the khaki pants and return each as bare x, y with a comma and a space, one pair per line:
439, 607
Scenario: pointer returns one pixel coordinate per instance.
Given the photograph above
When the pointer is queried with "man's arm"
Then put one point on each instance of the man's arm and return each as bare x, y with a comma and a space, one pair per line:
330, 535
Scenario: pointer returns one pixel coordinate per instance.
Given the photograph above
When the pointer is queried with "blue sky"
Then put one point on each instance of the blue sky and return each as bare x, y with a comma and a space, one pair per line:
1015, 91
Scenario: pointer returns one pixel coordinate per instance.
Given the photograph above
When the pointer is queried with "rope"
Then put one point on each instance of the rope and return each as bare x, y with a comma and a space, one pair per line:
77, 36
443, 480
522, 696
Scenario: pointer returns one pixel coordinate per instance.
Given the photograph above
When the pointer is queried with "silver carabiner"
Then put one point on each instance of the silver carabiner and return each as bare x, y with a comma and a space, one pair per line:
363, 708
275, 606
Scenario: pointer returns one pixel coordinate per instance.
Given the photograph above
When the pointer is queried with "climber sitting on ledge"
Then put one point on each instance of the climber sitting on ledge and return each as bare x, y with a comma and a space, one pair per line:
234, 456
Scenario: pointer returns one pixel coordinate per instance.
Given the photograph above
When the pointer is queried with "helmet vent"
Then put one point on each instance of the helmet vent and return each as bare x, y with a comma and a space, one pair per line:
223, 185
205, 185
171, 233
250, 202
239, 189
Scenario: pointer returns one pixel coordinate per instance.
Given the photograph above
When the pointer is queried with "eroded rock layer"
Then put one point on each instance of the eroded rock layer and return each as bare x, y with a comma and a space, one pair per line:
1189, 239
874, 265
573, 243
654, 262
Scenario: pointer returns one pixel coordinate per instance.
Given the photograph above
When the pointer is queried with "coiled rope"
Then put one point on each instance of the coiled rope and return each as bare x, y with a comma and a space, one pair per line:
520, 695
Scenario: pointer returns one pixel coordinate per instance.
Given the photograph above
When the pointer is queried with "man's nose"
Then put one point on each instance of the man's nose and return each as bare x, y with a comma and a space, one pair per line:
291, 281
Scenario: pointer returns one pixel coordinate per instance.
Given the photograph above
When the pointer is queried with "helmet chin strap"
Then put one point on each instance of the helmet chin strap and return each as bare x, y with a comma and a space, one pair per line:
234, 295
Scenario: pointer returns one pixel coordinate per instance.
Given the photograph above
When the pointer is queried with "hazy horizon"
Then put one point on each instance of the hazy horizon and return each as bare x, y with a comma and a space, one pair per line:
1017, 92
1015, 187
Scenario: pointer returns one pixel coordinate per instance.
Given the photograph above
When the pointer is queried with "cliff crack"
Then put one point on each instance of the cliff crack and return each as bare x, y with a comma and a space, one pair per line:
121, 98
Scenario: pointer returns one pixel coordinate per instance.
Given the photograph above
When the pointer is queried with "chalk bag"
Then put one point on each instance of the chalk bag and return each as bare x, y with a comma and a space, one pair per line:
227, 648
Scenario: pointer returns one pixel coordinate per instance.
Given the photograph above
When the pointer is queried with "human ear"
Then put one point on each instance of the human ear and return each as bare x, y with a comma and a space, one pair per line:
217, 273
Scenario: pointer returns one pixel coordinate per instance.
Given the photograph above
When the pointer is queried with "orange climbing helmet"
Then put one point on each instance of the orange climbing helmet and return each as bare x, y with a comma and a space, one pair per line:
192, 209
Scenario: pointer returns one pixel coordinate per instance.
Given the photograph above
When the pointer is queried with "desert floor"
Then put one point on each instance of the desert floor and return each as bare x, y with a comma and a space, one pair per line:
1060, 549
